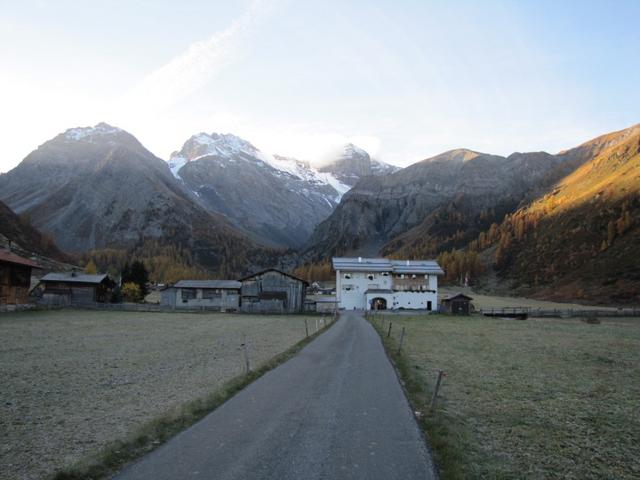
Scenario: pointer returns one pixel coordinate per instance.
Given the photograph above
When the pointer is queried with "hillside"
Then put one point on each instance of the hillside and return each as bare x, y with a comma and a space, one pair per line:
426, 207
98, 188
16, 232
582, 238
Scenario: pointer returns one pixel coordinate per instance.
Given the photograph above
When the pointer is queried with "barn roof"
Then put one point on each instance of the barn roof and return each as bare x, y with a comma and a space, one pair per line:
74, 278
224, 284
458, 296
8, 257
273, 270
360, 264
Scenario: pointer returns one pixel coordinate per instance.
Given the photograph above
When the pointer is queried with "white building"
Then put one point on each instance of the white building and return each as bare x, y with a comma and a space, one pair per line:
380, 283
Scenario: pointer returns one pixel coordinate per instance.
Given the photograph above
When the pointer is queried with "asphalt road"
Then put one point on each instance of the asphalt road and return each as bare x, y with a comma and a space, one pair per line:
334, 411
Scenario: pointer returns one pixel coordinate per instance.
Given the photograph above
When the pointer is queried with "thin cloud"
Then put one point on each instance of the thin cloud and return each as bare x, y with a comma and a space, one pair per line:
195, 67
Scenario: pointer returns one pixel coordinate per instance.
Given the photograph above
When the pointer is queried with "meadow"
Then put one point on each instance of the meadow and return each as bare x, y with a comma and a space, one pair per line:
539, 398
75, 382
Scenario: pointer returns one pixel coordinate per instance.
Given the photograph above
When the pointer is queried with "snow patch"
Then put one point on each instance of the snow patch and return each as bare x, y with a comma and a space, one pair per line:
89, 133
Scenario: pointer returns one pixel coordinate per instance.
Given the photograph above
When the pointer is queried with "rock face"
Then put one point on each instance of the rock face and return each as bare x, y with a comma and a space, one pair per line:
276, 200
459, 182
98, 187
353, 163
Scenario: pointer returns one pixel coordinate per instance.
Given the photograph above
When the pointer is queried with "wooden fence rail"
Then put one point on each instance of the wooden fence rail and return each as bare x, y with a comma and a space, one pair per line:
558, 312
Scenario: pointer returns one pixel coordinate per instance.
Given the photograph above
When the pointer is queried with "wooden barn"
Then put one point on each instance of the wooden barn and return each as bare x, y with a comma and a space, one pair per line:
221, 295
272, 291
15, 278
76, 288
459, 304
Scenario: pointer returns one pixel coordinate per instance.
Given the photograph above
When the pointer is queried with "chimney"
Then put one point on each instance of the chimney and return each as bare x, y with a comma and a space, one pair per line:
407, 263
359, 259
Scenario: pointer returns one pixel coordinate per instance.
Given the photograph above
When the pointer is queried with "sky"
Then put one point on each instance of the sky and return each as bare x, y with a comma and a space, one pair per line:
403, 79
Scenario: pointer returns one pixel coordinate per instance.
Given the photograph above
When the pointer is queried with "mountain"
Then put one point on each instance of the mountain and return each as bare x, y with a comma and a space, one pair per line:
353, 163
581, 238
444, 199
18, 234
98, 187
274, 199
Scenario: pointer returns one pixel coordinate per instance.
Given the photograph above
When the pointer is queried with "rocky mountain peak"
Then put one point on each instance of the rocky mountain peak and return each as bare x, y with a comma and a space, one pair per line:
99, 132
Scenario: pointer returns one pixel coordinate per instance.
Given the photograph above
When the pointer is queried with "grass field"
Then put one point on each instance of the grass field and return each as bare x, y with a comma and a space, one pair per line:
496, 301
525, 399
75, 381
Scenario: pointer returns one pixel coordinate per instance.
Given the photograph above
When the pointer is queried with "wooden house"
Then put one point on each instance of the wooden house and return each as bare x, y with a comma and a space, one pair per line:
272, 291
221, 295
15, 278
459, 304
76, 288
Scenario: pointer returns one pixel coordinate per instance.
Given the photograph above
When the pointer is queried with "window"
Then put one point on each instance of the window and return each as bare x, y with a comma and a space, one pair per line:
347, 275
426, 276
371, 276
211, 293
413, 276
385, 274
347, 287
429, 307
187, 294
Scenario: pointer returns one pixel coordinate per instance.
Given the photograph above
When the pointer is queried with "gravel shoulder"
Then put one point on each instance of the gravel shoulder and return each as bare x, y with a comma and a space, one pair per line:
73, 381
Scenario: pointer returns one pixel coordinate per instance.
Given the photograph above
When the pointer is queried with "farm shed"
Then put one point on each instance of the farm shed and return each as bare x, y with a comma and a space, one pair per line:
76, 288
458, 304
216, 294
272, 291
15, 278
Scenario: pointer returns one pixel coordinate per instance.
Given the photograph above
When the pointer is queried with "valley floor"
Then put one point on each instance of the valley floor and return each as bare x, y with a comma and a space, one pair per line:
484, 300
74, 381
541, 398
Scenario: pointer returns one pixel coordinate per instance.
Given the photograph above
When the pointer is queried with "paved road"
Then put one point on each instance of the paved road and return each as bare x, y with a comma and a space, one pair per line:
334, 411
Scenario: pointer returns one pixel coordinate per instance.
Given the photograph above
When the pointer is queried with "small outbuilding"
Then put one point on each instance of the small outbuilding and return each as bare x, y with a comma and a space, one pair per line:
272, 291
221, 295
459, 304
76, 288
15, 278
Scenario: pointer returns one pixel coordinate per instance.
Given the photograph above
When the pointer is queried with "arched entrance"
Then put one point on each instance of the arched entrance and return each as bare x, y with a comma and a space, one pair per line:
379, 304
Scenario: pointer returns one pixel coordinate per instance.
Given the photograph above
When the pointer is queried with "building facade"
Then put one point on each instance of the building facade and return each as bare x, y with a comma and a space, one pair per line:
76, 288
380, 283
223, 295
273, 291
15, 278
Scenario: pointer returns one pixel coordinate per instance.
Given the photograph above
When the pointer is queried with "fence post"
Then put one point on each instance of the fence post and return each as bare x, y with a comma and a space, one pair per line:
247, 363
306, 327
435, 391
316, 324
390, 325
401, 340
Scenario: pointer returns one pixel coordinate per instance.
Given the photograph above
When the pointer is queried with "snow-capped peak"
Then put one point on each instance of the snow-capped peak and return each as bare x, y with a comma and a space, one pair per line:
89, 133
231, 149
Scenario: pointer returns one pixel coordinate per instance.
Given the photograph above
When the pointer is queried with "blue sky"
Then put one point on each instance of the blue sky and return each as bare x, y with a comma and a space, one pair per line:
404, 79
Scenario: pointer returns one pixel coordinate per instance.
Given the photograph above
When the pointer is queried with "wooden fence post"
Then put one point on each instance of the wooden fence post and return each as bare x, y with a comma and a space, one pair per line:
247, 363
306, 327
390, 325
435, 391
401, 340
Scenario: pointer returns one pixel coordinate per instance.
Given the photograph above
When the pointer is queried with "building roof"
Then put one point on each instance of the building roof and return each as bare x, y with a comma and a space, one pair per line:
223, 284
74, 278
8, 257
360, 264
417, 266
273, 270
458, 296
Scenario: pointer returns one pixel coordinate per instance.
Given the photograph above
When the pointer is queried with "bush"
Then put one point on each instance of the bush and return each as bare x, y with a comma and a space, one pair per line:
132, 292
